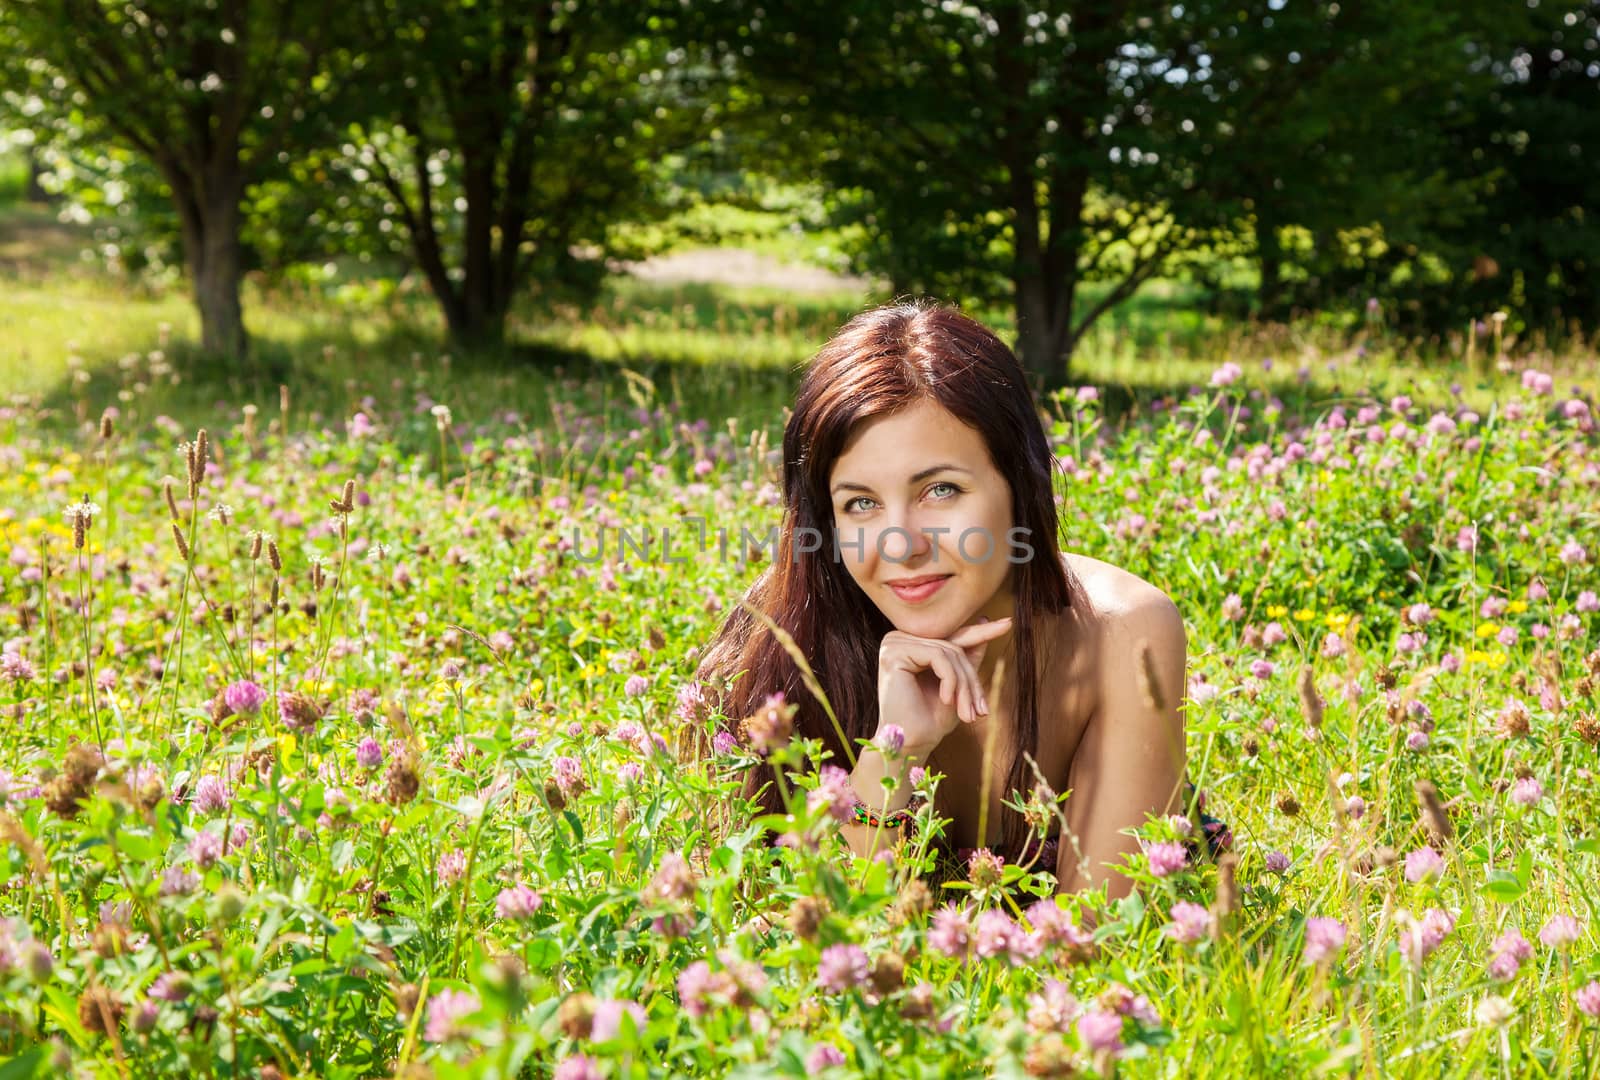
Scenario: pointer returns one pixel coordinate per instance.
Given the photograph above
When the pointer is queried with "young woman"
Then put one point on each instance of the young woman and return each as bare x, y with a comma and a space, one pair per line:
918, 552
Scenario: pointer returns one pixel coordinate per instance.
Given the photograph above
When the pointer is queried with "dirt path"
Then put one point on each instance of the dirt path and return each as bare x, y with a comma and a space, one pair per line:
33, 244
736, 266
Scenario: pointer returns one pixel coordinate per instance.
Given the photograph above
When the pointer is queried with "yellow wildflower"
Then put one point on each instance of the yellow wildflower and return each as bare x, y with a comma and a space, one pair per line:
1304, 615
1488, 629
1277, 611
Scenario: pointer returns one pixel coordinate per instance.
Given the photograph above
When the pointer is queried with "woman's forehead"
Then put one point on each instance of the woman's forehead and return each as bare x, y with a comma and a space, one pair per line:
912, 439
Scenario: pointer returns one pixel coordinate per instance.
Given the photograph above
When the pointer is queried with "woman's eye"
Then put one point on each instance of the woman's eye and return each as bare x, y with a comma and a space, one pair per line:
850, 507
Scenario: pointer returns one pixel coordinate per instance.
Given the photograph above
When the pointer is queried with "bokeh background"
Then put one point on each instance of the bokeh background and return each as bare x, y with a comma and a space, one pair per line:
1118, 186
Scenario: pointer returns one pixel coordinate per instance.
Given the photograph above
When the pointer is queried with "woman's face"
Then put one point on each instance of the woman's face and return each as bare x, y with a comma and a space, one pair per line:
915, 496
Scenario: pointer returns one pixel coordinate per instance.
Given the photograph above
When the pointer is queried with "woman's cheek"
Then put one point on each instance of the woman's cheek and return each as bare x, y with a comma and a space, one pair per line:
856, 546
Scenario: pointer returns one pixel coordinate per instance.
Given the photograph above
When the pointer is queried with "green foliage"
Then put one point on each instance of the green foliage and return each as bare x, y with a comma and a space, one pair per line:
13, 177
1047, 159
188, 105
1019, 151
514, 856
502, 146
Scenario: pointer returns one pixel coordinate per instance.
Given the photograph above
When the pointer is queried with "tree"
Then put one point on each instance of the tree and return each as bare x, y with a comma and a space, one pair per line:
506, 139
1345, 131
1529, 144
212, 95
1016, 149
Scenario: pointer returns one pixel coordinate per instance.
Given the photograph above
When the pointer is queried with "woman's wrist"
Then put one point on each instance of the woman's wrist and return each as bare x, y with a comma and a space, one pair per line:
872, 769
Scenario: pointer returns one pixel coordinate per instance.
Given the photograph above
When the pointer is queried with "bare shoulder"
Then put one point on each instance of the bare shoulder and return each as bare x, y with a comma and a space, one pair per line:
1124, 611
1117, 595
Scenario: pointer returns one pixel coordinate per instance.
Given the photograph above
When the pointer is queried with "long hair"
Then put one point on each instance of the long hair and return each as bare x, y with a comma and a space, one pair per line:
880, 362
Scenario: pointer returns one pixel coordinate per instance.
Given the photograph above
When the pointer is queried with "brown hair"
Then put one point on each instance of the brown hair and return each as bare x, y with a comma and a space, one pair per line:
880, 362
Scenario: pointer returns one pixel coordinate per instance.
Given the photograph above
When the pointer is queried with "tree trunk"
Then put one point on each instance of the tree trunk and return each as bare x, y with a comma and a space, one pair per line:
478, 284
1042, 317
35, 192
478, 322
217, 275
1269, 253
216, 294
209, 212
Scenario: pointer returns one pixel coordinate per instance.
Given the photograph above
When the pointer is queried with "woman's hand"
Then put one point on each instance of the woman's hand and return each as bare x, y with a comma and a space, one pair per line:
926, 685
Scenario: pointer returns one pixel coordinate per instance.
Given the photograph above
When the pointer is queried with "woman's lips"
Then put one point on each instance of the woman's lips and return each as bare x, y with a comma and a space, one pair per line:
914, 594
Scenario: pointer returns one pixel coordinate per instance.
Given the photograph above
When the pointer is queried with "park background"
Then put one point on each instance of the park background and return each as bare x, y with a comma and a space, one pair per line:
1308, 292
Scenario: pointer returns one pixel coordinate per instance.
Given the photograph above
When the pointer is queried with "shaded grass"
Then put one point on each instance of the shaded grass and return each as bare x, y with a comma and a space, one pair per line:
13, 178
711, 350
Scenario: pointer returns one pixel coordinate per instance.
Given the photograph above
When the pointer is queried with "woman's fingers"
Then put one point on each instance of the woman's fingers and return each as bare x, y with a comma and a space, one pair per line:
950, 682
954, 660
978, 633
980, 699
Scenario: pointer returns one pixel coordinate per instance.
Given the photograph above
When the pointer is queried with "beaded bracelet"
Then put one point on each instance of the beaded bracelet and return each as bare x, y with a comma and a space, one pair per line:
864, 815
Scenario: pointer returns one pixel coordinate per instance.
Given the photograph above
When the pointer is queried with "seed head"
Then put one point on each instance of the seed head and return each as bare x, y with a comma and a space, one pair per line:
914, 901
274, 560
299, 711
82, 515
172, 501
1587, 725
576, 1015
554, 795
64, 798
183, 545
1310, 700
1149, 682
107, 425
400, 779
771, 727
1226, 901
888, 973
1433, 812
100, 1010
805, 917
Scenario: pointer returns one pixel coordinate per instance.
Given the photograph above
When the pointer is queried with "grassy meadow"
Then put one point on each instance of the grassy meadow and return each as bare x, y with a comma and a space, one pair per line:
328, 748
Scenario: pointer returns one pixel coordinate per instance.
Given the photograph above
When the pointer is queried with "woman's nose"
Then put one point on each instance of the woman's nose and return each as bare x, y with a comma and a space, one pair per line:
903, 539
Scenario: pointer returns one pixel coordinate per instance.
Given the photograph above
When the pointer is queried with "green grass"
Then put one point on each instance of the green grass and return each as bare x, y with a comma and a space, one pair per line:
66, 326
489, 668
13, 178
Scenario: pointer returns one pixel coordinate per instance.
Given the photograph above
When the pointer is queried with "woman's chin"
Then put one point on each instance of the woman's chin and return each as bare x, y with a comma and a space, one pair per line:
929, 625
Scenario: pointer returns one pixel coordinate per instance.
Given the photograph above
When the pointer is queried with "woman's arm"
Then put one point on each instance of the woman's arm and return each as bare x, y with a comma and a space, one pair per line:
1130, 762
866, 780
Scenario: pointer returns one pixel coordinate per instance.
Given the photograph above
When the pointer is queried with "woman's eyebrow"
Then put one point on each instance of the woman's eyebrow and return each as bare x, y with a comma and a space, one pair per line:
915, 479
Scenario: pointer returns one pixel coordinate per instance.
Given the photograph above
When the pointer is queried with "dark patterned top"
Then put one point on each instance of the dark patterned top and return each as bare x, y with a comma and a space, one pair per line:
1214, 832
